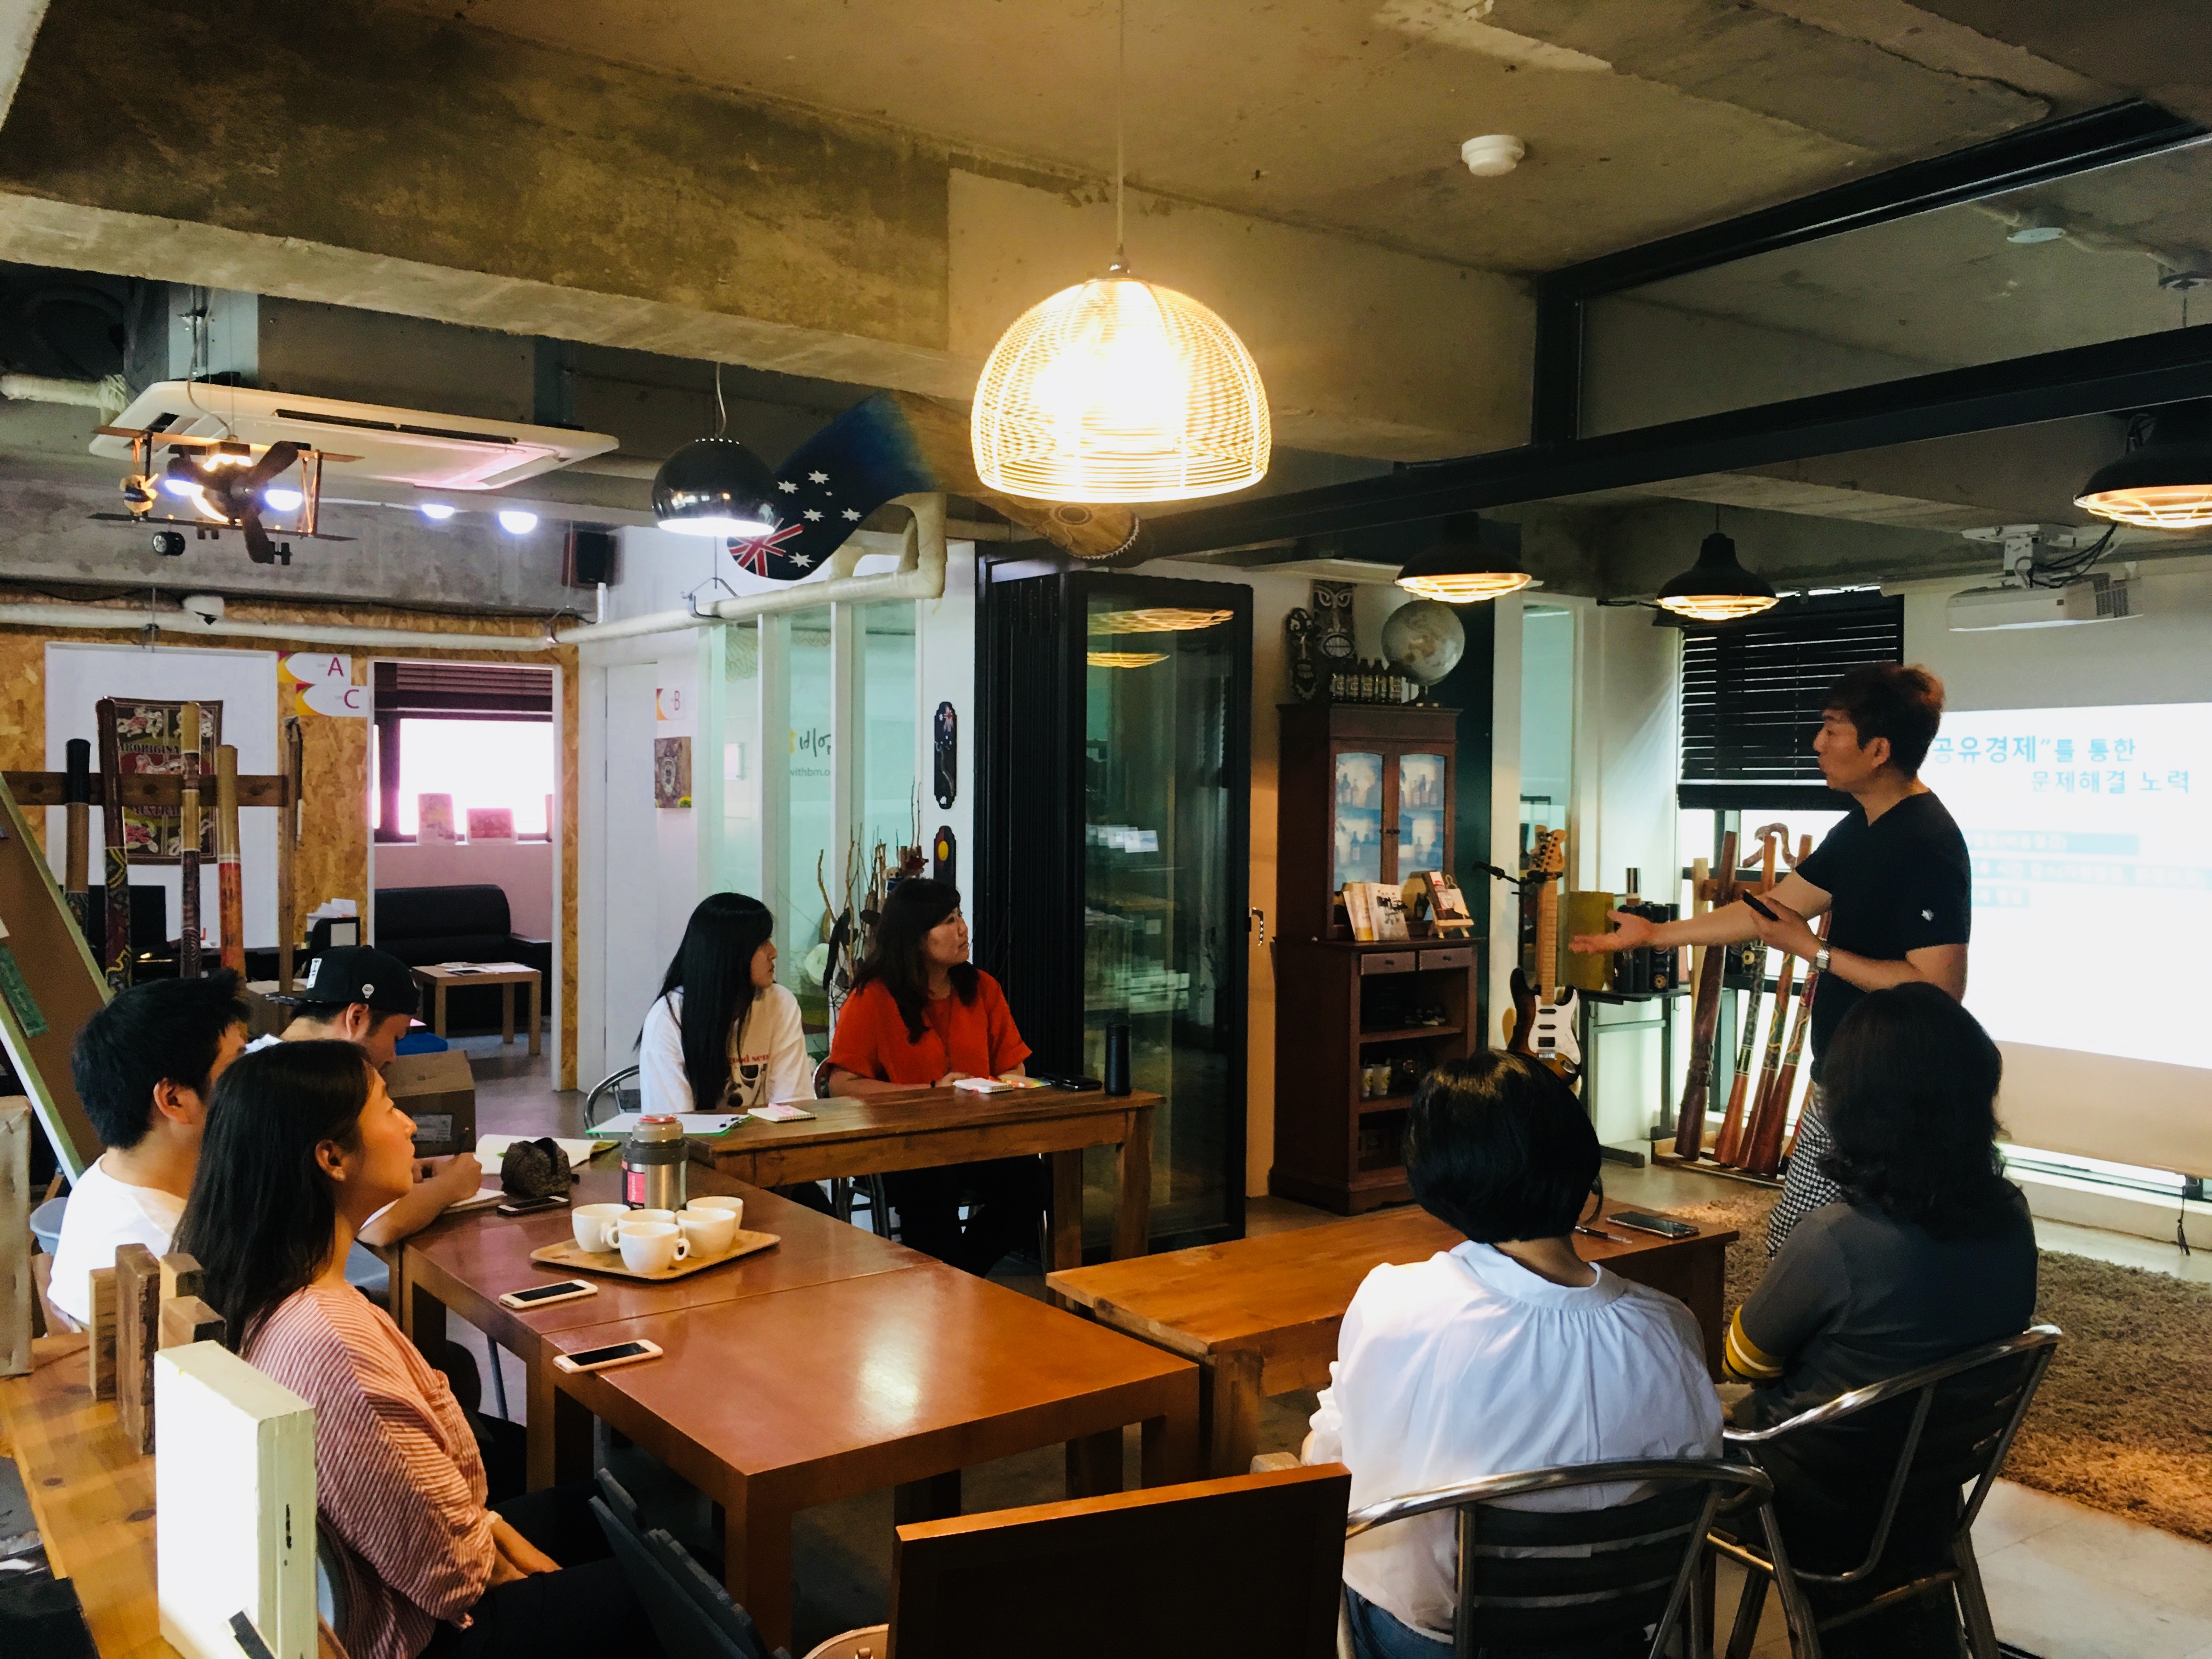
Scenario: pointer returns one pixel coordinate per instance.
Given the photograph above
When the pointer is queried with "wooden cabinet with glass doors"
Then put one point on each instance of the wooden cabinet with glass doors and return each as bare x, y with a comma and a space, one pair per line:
1364, 793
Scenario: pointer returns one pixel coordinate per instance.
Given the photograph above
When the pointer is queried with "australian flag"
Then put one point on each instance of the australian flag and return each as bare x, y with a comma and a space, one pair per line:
861, 459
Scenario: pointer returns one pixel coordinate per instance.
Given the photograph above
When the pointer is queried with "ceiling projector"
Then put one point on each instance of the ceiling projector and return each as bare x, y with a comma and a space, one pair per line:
2096, 598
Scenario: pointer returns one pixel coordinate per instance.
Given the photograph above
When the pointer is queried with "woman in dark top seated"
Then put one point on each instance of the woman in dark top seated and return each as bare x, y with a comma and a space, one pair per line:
1930, 1252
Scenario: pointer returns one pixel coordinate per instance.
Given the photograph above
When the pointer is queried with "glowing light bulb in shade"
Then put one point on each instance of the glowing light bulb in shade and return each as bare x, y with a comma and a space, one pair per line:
437, 510
516, 522
284, 501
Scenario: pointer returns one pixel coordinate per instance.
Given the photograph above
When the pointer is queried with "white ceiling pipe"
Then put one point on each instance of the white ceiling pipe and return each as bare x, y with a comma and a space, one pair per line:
110, 396
920, 575
167, 620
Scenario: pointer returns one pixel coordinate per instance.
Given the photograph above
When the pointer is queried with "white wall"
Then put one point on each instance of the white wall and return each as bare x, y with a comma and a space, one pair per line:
523, 868
2146, 1113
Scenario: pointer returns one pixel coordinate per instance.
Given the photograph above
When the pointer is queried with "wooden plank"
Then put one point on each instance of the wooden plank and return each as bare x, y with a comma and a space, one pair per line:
144, 788
180, 1275
137, 1340
100, 1346
186, 1319
92, 1497
66, 985
16, 1296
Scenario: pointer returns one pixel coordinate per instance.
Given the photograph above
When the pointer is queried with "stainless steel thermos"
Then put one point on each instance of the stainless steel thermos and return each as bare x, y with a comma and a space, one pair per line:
653, 1155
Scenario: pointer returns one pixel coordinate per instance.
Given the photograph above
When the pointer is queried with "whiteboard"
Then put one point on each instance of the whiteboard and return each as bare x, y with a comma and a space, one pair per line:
78, 676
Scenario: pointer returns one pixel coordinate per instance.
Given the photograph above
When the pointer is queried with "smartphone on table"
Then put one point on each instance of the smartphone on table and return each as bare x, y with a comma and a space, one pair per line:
532, 1206
545, 1295
606, 1358
1665, 1226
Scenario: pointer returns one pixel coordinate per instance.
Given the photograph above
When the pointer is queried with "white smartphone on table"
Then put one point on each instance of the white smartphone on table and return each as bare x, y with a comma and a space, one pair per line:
606, 1358
546, 1295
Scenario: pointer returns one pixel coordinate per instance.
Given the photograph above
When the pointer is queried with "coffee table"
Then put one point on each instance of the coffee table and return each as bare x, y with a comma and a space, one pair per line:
1261, 1315
899, 1379
924, 1128
441, 978
465, 1263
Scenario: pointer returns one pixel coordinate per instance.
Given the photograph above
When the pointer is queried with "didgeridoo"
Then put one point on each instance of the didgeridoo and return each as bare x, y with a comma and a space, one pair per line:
230, 888
76, 867
188, 844
1763, 1155
115, 953
1727, 1148
1705, 1020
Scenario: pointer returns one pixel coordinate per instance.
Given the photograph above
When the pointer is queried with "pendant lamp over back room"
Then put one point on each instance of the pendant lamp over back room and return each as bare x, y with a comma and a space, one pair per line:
1120, 390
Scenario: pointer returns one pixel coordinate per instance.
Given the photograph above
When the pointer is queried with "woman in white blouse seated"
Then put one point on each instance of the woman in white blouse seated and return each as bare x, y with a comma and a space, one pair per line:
723, 1036
1507, 1353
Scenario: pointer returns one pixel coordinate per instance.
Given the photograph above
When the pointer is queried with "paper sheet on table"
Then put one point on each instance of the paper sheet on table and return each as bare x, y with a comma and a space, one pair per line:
694, 1123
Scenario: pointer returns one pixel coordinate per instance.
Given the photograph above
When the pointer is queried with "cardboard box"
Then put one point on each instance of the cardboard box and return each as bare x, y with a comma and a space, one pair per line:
438, 1093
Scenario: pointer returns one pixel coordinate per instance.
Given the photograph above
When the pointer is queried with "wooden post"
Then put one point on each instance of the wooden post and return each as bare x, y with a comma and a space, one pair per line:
188, 844
115, 944
15, 1293
186, 1319
180, 1275
230, 889
137, 1340
288, 842
99, 1348
76, 792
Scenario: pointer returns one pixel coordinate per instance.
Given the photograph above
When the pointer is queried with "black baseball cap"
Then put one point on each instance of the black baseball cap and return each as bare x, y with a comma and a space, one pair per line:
355, 973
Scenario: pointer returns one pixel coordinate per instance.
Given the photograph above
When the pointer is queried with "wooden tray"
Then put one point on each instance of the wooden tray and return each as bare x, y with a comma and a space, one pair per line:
568, 1253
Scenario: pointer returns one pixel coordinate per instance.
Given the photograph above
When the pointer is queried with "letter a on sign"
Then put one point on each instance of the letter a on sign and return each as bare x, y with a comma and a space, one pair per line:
318, 683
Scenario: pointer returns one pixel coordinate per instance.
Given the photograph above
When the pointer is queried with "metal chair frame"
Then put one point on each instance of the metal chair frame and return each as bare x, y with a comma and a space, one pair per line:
2037, 1345
606, 1085
1752, 1485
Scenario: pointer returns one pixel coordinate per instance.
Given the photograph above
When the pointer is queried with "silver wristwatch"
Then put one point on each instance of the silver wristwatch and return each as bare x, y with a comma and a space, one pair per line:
1821, 960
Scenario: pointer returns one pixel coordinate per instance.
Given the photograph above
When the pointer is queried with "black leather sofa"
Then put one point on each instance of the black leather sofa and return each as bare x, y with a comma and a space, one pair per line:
425, 924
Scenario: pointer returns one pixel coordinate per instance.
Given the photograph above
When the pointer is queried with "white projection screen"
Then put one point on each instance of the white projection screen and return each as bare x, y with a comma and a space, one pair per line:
2091, 834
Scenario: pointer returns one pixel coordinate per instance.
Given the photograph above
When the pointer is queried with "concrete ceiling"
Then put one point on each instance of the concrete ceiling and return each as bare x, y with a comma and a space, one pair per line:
1641, 116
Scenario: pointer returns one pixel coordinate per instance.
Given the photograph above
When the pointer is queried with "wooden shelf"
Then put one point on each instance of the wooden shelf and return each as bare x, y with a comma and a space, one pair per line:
1403, 1033
1388, 1103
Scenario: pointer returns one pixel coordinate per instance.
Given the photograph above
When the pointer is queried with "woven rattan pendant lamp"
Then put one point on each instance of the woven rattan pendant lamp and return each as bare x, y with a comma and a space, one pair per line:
1118, 390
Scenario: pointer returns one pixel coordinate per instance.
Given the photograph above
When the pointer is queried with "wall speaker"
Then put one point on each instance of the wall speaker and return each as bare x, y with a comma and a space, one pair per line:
589, 557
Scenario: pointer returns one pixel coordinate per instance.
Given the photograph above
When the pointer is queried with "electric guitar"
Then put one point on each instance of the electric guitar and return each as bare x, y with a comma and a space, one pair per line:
1543, 1028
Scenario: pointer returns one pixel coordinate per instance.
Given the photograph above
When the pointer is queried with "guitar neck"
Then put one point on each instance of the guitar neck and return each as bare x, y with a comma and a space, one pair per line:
1548, 940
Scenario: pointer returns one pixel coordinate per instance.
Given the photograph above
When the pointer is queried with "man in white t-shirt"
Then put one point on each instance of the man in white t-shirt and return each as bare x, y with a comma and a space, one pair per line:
144, 1067
1504, 1355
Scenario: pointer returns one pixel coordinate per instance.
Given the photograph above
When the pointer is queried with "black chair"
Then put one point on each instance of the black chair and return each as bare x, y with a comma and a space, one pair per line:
1938, 1430
1540, 1578
692, 1613
470, 922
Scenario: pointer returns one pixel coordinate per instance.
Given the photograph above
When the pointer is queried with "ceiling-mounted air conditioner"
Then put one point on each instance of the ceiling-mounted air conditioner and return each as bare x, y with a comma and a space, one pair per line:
361, 441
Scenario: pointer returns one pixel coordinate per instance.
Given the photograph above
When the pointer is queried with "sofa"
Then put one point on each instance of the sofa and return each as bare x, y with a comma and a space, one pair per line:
425, 924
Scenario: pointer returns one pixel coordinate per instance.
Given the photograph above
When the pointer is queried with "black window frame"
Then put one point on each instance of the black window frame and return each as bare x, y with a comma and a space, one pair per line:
394, 699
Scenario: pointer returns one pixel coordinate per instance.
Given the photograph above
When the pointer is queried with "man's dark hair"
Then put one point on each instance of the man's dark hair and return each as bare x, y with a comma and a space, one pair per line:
1908, 1091
165, 1028
1499, 1147
1889, 700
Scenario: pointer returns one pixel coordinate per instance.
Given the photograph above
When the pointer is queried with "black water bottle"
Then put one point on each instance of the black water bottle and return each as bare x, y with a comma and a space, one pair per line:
1117, 1059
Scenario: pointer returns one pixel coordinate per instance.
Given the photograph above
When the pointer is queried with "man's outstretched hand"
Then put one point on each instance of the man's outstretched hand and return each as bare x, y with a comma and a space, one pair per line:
1631, 932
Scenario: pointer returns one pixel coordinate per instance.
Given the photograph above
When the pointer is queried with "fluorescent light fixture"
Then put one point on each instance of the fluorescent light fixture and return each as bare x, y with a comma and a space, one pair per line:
516, 522
437, 510
284, 501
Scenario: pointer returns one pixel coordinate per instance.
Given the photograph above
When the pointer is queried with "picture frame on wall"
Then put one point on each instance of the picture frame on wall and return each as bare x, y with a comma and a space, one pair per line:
671, 772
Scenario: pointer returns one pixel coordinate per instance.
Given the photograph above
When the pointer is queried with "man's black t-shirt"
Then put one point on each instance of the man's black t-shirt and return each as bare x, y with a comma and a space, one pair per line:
1902, 883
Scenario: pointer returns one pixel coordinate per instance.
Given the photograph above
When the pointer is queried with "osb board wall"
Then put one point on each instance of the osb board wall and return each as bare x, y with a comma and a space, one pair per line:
332, 861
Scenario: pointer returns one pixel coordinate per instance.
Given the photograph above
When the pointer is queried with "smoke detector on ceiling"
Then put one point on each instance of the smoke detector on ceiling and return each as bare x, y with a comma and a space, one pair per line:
1493, 155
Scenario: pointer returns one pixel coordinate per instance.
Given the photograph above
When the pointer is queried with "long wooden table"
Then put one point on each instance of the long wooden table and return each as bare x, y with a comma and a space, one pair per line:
926, 1129
898, 1379
1261, 1315
464, 1263
92, 1495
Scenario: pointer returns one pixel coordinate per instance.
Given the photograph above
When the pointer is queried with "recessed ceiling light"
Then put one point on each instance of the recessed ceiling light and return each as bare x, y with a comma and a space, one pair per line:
437, 510
1493, 155
2029, 235
516, 522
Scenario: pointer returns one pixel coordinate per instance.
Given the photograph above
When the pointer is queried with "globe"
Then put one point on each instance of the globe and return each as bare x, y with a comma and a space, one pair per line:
1423, 641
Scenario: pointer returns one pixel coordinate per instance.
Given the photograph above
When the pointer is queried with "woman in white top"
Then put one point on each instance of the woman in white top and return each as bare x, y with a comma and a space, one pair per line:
1508, 1353
723, 1036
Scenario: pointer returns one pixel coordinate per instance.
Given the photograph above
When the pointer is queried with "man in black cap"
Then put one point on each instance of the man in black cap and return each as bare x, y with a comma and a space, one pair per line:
357, 993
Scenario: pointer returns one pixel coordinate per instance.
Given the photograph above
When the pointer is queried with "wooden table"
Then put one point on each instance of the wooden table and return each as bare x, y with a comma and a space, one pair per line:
464, 1263
1261, 1315
92, 1495
900, 1379
925, 1128
506, 975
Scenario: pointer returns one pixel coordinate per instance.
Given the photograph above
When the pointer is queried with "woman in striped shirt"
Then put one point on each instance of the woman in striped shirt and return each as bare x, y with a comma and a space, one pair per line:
303, 1146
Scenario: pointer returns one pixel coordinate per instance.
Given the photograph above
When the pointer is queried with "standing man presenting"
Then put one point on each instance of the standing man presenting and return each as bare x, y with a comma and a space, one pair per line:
1893, 874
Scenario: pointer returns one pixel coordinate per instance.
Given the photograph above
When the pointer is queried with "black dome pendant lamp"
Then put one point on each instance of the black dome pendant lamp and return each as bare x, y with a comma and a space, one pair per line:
715, 486
1717, 589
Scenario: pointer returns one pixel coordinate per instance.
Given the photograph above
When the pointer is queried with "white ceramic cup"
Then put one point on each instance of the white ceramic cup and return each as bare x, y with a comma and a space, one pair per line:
665, 1218
595, 1224
736, 1207
648, 1247
709, 1232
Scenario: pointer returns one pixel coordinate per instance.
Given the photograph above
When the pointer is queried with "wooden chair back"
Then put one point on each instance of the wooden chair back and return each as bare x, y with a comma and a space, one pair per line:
1252, 1564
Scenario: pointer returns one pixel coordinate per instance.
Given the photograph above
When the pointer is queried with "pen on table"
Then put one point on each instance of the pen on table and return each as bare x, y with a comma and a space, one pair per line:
1595, 1232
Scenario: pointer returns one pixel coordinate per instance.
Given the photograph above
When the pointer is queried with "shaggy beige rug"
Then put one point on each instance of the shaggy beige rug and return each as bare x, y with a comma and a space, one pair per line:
2124, 1420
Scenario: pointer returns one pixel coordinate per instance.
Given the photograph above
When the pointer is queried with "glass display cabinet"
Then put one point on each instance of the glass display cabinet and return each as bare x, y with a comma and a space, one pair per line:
1113, 790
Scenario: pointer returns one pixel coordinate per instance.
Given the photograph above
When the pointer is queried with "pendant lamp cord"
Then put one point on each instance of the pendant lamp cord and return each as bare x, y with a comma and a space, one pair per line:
1121, 127
721, 412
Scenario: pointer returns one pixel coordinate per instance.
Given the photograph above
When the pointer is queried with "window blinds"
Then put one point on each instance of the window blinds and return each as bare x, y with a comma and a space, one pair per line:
1752, 691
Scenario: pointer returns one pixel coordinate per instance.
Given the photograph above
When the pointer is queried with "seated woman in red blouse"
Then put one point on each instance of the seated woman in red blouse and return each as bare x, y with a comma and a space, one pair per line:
921, 1015
303, 1146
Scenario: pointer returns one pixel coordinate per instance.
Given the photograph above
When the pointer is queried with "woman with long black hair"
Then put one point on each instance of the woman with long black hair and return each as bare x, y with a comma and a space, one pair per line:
723, 1036
921, 1015
303, 1146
